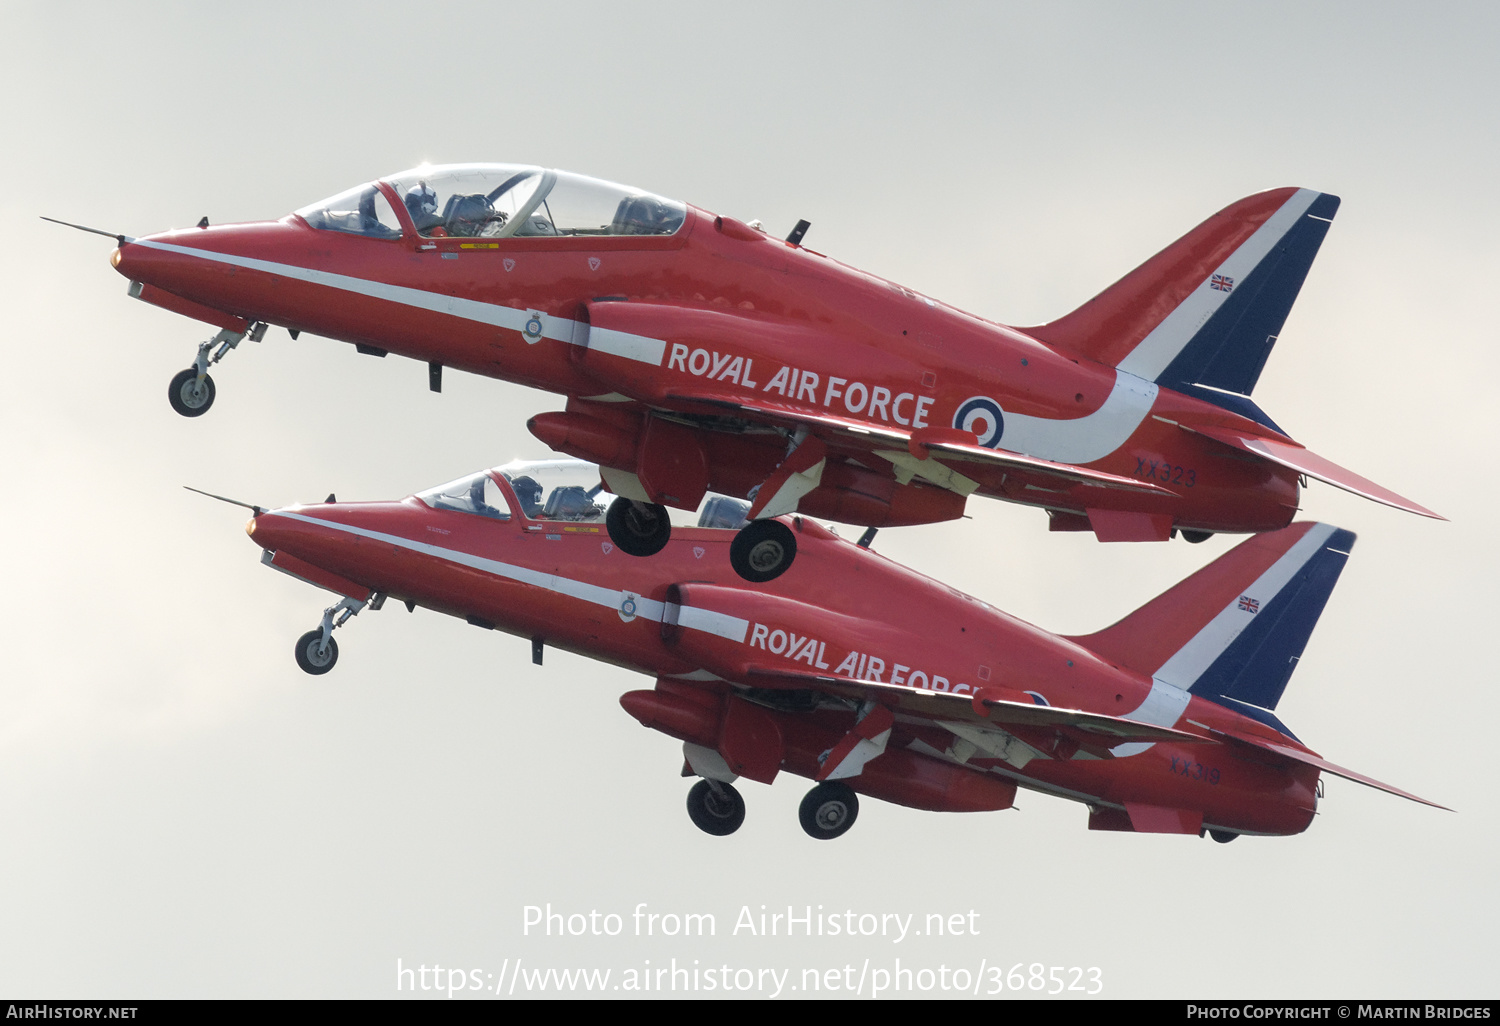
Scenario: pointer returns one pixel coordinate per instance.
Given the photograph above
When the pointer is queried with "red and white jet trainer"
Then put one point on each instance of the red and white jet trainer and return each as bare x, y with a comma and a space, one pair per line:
858, 673
698, 353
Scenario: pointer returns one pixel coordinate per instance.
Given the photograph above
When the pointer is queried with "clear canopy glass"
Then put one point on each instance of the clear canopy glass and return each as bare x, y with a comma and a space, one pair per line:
514, 200
558, 490
561, 490
363, 210
477, 493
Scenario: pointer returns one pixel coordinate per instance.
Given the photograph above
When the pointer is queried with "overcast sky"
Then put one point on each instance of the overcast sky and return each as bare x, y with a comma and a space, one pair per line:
185, 813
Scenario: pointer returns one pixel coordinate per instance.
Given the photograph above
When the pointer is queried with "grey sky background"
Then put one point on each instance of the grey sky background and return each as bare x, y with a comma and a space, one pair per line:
184, 813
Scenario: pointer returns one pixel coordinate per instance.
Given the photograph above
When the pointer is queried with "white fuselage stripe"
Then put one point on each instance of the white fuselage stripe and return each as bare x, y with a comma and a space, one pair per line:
561, 329
1154, 353
1077, 440
725, 626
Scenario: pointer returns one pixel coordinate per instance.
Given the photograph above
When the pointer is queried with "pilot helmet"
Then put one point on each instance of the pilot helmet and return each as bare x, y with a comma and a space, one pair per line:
528, 490
420, 199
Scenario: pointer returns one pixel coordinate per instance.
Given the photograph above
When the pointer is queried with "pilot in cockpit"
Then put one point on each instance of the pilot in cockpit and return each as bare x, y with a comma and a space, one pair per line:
421, 203
529, 492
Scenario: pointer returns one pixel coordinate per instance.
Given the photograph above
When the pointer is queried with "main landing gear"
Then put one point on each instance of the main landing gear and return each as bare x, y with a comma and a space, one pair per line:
715, 807
639, 528
762, 550
192, 391
828, 811
316, 650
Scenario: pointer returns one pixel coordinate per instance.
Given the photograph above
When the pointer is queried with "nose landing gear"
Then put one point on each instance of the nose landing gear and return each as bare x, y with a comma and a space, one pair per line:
316, 650
192, 391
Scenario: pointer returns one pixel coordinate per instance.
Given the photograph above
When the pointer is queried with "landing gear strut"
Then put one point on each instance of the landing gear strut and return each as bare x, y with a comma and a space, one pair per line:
316, 650
715, 807
639, 528
829, 810
763, 550
192, 391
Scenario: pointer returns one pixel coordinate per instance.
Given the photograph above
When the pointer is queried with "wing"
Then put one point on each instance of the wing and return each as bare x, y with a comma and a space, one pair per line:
911, 447
629, 343
1095, 733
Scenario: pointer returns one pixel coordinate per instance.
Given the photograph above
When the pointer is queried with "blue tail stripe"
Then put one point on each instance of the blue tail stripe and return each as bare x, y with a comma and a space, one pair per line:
1256, 666
1231, 348
1255, 712
1233, 402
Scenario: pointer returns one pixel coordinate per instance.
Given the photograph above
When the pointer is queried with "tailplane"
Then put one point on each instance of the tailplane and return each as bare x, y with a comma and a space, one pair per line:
1233, 632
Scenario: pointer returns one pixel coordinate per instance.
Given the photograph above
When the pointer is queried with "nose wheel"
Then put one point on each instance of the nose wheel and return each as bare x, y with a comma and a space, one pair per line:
763, 550
190, 395
715, 807
316, 650
192, 392
316, 654
829, 810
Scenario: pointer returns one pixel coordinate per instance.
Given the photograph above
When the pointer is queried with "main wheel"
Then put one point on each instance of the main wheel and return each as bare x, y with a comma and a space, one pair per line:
187, 396
1222, 836
763, 550
829, 810
1196, 537
312, 656
639, 528
716, 812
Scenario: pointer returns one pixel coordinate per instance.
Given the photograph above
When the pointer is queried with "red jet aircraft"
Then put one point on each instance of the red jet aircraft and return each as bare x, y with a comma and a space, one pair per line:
886, 684
698, 353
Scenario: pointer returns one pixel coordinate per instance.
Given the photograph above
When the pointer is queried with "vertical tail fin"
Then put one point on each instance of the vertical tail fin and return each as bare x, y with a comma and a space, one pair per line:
1234, 631
1202, 315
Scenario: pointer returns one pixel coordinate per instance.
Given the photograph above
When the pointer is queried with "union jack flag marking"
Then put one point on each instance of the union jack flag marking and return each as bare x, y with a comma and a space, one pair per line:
1249, 604
1221, 282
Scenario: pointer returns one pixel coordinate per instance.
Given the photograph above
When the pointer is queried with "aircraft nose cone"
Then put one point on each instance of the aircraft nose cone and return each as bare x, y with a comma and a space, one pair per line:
141, 261
276, 533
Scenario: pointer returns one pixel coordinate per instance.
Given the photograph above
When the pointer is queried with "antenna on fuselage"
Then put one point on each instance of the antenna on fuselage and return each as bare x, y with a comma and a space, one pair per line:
121, 239
796, 237
257, 510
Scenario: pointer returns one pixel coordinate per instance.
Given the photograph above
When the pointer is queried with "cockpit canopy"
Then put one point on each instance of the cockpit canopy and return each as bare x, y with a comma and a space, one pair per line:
541, 490
497, 201
557, 490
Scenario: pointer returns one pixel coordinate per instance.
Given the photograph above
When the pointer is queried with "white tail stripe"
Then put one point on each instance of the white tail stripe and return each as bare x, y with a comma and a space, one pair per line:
1083, 439
1163, 707
1154, 353
725, 626
1189, 662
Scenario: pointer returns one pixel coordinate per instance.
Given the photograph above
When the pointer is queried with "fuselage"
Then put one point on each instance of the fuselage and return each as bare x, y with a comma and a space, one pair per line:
685, 619
766, 323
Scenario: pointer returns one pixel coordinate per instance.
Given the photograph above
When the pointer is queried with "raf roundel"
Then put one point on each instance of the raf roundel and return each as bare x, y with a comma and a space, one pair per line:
981, 416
